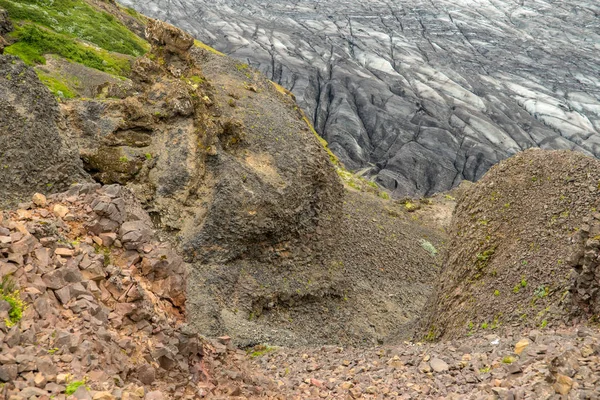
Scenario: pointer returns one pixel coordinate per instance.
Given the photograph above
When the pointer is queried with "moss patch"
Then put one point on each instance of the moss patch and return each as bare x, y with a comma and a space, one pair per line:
260, 350
201, 45
58, 87
73, 386
34, 42
77, 19
12, 296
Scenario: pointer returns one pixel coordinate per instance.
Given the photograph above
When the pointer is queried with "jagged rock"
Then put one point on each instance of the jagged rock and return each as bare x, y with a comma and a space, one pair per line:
8, 372
146, 374
55, 279
5, 23
13, 337
173, 39
134, 234
82, 393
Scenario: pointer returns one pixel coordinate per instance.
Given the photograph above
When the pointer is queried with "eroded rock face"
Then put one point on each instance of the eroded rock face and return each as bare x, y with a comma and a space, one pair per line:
223, 159
422, 94
36, 155
524, 243
227, 167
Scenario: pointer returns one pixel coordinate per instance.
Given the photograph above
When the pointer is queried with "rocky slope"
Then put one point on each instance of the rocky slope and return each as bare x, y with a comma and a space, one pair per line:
218, 211
230, 171
421, 94
561, 364
525, 248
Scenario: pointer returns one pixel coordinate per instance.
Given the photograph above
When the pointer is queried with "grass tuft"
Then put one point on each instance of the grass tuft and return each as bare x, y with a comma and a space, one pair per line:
56, 86
12, 296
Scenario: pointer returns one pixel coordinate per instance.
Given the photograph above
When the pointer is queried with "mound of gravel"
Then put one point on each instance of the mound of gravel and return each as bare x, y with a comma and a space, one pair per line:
35, 155
524, 248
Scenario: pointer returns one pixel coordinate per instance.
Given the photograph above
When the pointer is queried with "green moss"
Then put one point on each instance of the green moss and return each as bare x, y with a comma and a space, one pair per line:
410, 206
508, 360
431, 335
201, 45
332, 157
34, 41
73, 386
12, 296
77, 19
384, 195
131, 12
484, 370
496, 293
484, 257
484, 325
57, 87
260, 350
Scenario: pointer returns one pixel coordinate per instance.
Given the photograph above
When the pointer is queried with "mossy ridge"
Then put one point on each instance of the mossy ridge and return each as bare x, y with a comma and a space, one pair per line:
206, 47
35, 41
77, 19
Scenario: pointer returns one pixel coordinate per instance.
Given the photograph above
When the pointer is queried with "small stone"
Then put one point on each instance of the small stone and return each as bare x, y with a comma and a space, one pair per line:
33, 391
108, 238
146, 374
438, 365
103, 396
8, 373
64, 252
424, 367
563, 384
371, 390
514, 368
60, 211
155, 395
521, 345
316, 382
40, 380
39, 200
61, 378
82, 393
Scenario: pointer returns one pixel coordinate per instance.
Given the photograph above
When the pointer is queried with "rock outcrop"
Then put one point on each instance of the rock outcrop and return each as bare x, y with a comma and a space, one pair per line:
524, 248
224, 161
36, 153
